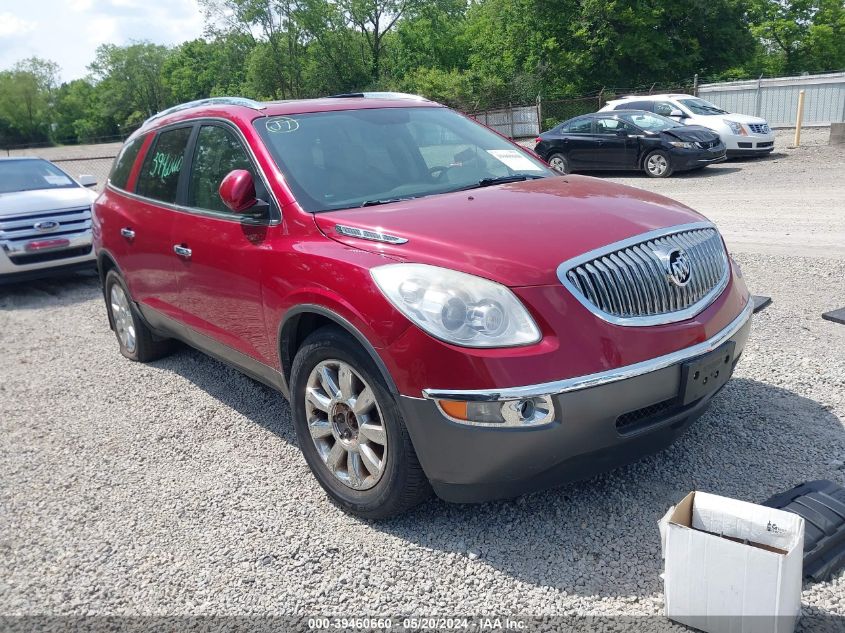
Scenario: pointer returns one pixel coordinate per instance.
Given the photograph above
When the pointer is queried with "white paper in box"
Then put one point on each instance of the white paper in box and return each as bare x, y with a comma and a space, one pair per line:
732, 566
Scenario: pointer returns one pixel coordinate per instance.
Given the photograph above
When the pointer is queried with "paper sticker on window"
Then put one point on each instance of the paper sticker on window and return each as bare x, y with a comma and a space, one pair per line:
282, 124
513, 159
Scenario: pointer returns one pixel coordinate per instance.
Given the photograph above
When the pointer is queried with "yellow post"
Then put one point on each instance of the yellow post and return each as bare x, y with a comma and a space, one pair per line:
799, 119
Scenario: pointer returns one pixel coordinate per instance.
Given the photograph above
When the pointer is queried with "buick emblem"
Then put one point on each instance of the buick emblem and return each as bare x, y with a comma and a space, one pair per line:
46, 226
678, 267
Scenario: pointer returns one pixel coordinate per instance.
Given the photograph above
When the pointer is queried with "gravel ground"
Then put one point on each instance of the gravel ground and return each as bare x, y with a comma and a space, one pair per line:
178, 488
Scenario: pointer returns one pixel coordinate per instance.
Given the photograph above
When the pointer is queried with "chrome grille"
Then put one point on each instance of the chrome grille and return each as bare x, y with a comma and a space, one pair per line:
17, 231
629, 282
759, 128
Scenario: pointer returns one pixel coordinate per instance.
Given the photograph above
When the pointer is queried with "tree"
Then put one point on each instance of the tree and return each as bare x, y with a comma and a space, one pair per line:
129, 80
26, 98
799, 35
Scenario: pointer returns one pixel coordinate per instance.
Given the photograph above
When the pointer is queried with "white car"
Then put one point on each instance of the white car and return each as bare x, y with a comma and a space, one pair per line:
45, 220
743, 135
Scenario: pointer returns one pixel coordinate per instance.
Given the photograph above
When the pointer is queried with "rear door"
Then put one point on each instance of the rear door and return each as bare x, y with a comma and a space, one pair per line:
220, 252
578, 142
143, 221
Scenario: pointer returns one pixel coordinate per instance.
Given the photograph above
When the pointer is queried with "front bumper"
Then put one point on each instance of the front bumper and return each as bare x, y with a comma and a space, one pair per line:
683, 160
750, 145
477, 463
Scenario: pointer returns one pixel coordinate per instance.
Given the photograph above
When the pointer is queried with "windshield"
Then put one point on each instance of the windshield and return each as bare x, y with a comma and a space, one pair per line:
700, 106
649, 122
352, 158
28, 175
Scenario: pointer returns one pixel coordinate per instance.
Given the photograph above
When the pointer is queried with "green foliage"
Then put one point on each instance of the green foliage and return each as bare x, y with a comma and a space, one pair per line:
472, 55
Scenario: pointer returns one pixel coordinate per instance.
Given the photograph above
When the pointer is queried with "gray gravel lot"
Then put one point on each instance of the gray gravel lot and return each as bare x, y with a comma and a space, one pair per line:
178, 488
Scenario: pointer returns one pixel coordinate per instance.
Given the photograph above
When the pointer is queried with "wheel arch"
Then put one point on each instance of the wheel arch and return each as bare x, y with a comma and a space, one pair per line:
304, 319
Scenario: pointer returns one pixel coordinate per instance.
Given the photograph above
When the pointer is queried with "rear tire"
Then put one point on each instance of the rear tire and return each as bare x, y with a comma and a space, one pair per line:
559, 163
360, 452
136, 340
658, 164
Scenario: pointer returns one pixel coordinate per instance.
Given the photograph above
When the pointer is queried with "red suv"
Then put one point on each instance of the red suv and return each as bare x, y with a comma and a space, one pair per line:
441, 309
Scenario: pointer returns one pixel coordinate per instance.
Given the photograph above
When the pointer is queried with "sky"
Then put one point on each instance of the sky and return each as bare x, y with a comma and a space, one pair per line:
69, 31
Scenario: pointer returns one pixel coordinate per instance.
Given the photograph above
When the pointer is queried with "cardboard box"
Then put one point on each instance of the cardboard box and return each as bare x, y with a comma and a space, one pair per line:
732, 566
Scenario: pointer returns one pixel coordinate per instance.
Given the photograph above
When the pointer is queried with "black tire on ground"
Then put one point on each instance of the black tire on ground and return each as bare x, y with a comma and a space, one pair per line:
402, 484
559, 163
147, 347
658, 164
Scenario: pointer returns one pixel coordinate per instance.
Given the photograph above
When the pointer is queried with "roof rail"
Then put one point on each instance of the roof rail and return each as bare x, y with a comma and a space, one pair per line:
238, 101
377, 95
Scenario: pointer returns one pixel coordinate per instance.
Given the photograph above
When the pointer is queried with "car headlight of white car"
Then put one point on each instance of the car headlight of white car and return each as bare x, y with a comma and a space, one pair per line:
735, 127
456, 307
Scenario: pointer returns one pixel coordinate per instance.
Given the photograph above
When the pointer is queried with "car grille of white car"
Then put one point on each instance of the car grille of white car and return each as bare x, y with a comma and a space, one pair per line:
16, 231
634, 285
759, 128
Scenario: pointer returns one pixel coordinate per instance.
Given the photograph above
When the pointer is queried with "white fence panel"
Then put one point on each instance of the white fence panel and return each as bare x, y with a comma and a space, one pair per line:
776, 99
515, 122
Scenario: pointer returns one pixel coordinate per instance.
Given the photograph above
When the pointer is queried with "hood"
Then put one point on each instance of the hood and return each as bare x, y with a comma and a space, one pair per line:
515, 234
743, 118
692, 133
23, 202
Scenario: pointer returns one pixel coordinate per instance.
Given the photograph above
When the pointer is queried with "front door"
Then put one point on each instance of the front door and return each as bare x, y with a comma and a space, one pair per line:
218, 252
617, 150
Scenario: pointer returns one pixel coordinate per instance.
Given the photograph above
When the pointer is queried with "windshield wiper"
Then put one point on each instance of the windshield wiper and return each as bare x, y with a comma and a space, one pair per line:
372, 203
499, 180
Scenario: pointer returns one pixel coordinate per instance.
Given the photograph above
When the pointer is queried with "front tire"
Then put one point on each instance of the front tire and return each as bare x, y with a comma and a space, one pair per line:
658, 164
350, 429
136, 340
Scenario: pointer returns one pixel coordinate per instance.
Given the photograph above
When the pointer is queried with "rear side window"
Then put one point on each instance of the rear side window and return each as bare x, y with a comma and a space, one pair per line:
218, 151
159, 177
636, 105
123, 165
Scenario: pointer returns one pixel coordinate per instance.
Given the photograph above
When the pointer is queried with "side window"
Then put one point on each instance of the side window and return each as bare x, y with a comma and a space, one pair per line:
612, 126
159, 175
580, 126
663, 108
125, 160
218, 151
636, 105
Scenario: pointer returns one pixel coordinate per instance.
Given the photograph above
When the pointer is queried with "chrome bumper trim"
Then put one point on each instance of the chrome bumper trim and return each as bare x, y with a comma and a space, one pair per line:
600, 378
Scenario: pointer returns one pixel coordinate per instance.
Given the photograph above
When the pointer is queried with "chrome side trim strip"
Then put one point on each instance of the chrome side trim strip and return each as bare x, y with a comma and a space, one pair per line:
600, 378
671, 316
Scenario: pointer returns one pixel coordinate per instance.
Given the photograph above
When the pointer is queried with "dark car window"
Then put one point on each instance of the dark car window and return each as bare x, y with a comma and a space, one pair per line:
159, 176
124, 162
612, 126
579, 126
218, 151
648, 106
27, 174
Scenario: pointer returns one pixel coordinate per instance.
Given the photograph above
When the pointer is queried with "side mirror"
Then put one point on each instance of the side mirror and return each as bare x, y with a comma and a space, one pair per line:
237, 191
622, 133
87, 180
677, 113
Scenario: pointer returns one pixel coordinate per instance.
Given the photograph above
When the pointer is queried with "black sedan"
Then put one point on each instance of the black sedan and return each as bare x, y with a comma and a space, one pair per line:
629, 139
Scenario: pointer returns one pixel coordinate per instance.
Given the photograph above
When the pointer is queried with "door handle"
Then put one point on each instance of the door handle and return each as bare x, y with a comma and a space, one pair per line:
128, 233
182, 251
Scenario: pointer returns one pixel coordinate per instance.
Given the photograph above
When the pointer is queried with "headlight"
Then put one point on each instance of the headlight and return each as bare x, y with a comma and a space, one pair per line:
682, 144
456, 307
736, 127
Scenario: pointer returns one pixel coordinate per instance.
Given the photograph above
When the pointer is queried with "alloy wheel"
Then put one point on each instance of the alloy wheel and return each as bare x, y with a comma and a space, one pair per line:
657, 164
558, 164
122, 315
346, 424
